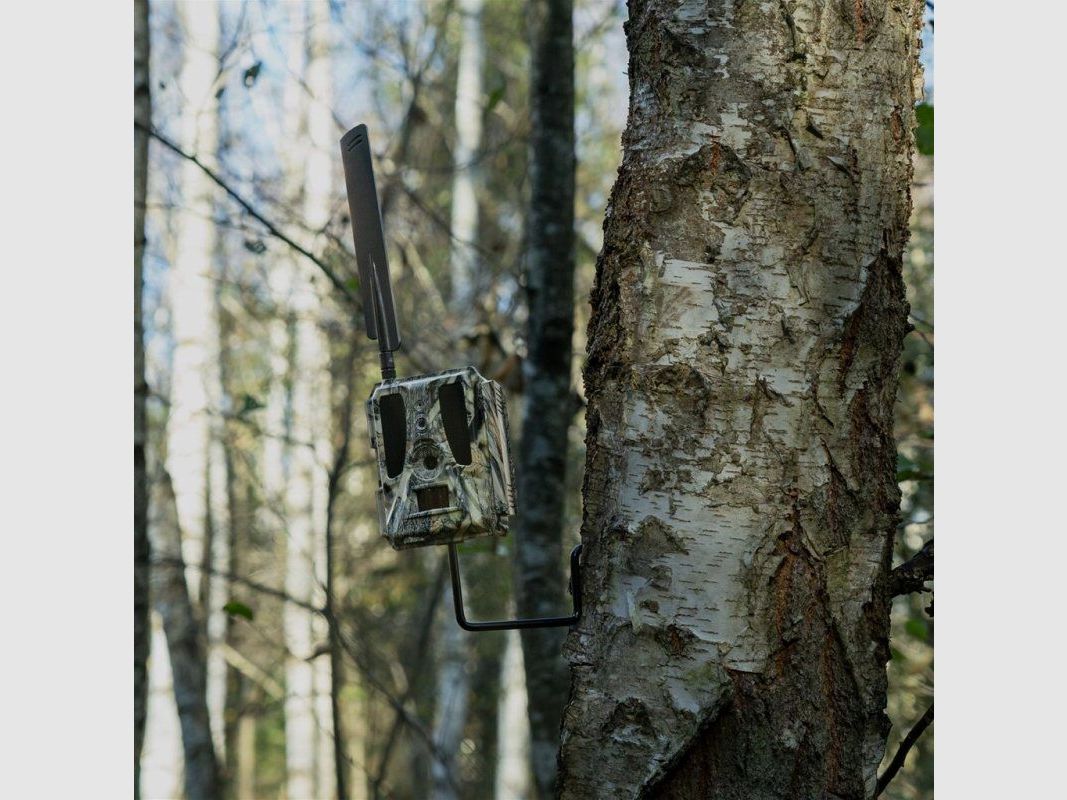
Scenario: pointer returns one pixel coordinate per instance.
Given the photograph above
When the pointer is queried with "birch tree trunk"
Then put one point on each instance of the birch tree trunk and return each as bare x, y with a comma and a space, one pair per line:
512, 781
453, 678
192, 293
468, 115
547, 398
740, 497
142, 110
309, 765
320, 185
185, 646
194, 396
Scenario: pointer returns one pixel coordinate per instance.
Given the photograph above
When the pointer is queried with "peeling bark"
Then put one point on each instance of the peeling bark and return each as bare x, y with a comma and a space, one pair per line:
740, 495
547, 398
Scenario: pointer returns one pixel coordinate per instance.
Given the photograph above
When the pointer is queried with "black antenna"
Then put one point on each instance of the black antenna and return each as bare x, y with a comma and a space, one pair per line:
378, 311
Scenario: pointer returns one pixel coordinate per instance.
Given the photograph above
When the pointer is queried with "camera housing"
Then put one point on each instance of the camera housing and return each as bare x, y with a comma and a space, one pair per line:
444, 458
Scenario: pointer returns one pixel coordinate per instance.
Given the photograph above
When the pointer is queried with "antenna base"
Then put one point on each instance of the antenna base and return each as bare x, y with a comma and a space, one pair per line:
385, 357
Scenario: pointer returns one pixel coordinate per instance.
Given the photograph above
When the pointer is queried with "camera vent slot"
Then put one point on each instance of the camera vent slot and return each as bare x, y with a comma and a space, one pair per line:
394, 432
431, 497
454, 416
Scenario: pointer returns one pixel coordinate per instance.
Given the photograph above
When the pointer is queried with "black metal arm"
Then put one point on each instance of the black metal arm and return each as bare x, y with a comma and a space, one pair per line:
575, 588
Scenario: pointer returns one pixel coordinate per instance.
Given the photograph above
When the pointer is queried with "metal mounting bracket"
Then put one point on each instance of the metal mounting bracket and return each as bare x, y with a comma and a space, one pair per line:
575, 588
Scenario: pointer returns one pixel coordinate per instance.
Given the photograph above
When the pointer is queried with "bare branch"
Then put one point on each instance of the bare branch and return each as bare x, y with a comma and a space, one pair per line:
902, 752
341, 639
272, 229
422, 648
255, 586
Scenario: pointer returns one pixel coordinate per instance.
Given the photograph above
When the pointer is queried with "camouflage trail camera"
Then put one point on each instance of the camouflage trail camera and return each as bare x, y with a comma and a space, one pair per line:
441, 440
444, 465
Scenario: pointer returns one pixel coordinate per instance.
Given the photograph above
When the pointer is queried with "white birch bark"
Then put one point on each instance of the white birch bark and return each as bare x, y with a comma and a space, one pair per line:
468, 114
191, 291
309, 725
194, 379
218, 591
512, 726
301, 728
161, 755
320, 184
740, 499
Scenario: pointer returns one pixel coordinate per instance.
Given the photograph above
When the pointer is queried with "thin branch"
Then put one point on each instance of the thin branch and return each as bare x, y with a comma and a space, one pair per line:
272, 229
342, 639
252, 671
421, 648
912, 575
902, 752
255, 586
374, 682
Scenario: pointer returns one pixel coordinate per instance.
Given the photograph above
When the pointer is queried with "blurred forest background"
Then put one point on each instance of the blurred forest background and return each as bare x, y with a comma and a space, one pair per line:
331, 665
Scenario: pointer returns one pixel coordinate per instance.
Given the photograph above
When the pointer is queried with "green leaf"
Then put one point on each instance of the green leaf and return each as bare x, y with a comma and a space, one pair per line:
495, 97
353, 284
916, 628
235, 609
248, 405
908, 470
924, 132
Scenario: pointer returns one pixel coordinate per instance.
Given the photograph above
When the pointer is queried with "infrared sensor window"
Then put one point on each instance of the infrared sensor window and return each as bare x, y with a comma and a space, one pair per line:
394, 432
454, 416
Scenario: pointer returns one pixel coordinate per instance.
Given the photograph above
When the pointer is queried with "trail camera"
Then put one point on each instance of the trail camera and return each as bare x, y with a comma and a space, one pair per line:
444, 467
441, 440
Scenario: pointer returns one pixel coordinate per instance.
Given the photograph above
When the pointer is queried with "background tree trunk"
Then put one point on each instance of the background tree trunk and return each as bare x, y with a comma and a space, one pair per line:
194, 398
320, 193
308, 716
512, 779
453, 675
740, 496
142, 110
547, 401
191, 289
185, 646
469, 104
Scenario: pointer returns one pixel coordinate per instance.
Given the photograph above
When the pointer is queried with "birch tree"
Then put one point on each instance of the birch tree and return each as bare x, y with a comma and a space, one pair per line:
320, 187
453, 678
511, 779
547, 399
469, 98
142, 109
740, 496
309, 730
185, 647
181, 533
